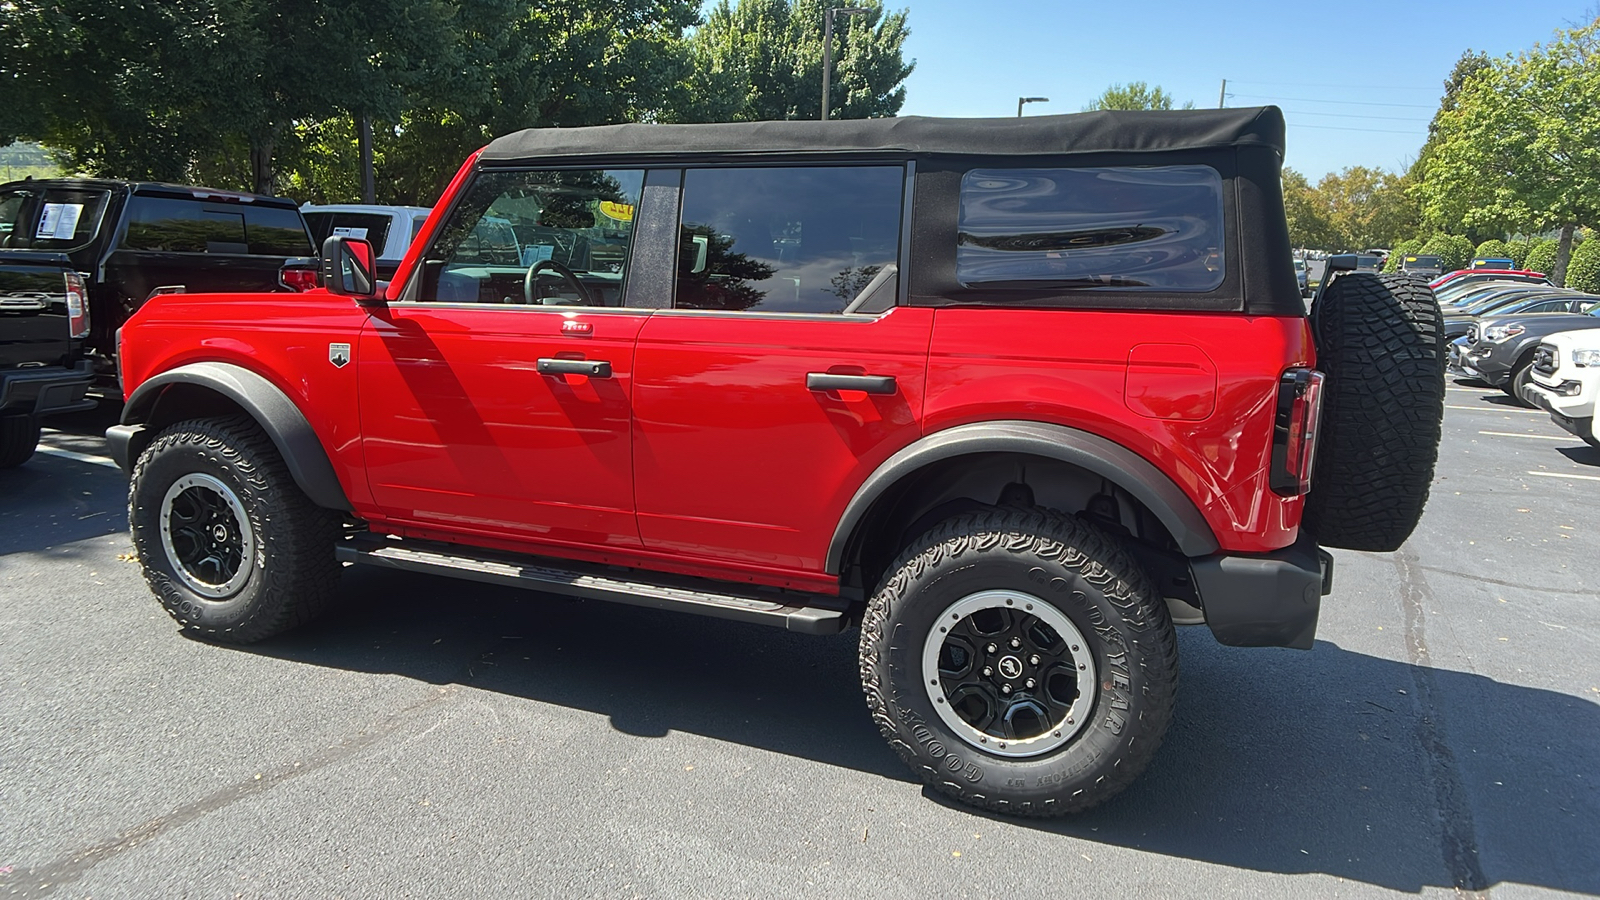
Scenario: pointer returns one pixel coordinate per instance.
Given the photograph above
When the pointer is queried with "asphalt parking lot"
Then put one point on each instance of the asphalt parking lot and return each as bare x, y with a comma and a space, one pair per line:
442, 739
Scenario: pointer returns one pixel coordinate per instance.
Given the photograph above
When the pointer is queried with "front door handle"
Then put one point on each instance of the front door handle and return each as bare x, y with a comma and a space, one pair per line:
868, 384
594, 368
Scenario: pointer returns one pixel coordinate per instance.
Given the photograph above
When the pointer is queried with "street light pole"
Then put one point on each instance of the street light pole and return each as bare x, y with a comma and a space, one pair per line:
827, 49
1022, 100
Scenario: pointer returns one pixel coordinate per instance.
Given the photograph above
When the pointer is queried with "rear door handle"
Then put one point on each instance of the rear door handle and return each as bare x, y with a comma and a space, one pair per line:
869, 384
594, 368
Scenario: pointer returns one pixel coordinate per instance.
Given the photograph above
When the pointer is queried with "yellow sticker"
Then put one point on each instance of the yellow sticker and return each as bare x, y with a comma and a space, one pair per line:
622, 212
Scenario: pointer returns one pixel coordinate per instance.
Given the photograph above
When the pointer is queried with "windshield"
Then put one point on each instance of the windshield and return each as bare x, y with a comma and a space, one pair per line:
50, 218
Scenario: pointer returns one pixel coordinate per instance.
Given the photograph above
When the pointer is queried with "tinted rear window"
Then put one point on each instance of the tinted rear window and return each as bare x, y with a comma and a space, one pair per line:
171, 225
370, 227
1157, 228
55, 219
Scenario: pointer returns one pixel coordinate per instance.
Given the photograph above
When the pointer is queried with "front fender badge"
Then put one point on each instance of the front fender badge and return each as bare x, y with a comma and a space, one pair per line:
339, 355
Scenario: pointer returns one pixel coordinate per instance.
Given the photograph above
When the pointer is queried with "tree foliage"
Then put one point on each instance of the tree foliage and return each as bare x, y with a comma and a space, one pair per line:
1583, 273
1541, 255
1355, 209
1134, 95
1454, 250
757, 60
1520, 146
1492, 249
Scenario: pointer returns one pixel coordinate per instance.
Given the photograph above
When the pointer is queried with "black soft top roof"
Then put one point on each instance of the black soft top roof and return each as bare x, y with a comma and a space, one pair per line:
186, 191
1108, 131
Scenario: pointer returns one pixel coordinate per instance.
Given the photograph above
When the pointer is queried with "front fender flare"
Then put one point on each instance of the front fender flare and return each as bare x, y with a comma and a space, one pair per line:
1108, 459
278, 416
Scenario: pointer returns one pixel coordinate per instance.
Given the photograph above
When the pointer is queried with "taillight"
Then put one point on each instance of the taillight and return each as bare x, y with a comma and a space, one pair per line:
298, 277
77, 306
1294, 433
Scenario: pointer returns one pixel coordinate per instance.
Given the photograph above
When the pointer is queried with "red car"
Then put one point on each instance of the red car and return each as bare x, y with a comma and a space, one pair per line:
1014, 396
1466, 276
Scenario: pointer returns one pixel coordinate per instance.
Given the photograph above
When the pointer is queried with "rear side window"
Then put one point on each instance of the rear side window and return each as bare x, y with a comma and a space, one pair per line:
370, 227
275, 231
1155, 228
171, 225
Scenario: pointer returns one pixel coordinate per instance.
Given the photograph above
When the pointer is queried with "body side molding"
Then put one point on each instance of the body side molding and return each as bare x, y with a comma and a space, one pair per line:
272, 409
1105, 458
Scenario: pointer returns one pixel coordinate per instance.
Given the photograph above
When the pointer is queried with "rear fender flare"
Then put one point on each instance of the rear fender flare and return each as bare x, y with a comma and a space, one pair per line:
1108, 459
263, 401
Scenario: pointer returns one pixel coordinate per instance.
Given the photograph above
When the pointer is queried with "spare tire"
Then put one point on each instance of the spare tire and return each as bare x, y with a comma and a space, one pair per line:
1380, 341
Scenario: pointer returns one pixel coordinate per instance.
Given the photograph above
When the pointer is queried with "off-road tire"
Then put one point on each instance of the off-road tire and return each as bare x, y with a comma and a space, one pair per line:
292, 571
1380, 340
1078, 570
19, 437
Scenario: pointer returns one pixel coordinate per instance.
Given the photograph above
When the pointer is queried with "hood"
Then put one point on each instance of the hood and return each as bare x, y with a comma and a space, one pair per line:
1541, 324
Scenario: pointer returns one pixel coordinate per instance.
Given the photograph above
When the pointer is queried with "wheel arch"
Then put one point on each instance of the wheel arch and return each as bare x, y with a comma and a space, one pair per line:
881, 500
216, 388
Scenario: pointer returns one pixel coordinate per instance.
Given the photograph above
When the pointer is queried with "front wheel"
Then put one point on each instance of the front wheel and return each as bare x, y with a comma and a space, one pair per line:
231, 546
19, 437
1021, 662
1518, 382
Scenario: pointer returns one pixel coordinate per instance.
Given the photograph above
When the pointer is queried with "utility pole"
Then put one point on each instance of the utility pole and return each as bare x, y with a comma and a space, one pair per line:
1222, 95
369, 190
827, 49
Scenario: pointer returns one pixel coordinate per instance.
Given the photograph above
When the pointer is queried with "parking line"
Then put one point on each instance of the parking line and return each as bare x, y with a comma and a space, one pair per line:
1526, 412
1537, 437
1565, 475
80, 457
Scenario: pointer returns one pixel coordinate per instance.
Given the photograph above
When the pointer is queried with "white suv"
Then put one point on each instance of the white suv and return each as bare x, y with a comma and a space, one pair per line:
389, 229
1566, 379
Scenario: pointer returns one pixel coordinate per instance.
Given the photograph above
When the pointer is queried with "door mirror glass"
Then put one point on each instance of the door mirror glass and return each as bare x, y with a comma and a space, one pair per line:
347, 267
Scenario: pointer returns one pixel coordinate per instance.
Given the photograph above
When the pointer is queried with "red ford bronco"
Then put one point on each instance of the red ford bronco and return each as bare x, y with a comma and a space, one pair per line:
1015, 396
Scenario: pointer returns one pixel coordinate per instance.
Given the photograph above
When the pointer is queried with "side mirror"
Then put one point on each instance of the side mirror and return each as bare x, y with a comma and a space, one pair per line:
347, 269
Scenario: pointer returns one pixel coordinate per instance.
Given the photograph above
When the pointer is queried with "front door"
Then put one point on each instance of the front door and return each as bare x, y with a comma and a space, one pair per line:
496, 396
784, 374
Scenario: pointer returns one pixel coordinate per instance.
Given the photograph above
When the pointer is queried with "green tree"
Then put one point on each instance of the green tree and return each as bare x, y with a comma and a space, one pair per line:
1399, 252
1541, 255
1367, 207
759, 60
1583, 273
1309, 228
1492, 248
1134, 95
207, 89
1454, 250
1518, 146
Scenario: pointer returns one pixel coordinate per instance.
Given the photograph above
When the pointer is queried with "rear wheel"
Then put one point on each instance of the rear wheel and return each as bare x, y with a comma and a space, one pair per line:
231, 546
1021, 662
19, 437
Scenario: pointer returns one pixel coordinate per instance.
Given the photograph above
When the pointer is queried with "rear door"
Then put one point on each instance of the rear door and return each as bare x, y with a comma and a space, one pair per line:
215, 245
784, 373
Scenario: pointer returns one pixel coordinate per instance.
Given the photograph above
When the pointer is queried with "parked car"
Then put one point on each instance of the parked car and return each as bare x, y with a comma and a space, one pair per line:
390, 229
1492, 262
1467, 296
1456, 324
814, 374
1565, 380
1302, 277
126, 239
1464, 276
44, 318
1421, 266
1499, 350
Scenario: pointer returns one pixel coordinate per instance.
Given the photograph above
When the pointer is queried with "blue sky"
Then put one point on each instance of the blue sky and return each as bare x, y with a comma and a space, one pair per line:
1357, 80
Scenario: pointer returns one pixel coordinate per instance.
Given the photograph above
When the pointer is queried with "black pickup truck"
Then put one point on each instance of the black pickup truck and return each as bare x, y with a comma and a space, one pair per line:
131, 239
44, 318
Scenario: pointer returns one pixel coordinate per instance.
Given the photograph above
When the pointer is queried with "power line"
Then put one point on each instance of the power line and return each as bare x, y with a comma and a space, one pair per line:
1306, 112
1359, 87
1343, 102
1344, 128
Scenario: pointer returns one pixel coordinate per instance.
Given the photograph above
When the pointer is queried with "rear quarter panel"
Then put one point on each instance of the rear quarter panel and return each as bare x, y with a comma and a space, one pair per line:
1192, 393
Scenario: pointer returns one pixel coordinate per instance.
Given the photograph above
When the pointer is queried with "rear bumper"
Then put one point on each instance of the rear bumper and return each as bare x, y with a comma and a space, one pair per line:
46, 390
1268, 599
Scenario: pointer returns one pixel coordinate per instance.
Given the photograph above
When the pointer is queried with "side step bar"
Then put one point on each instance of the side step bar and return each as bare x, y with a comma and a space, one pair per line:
803, 613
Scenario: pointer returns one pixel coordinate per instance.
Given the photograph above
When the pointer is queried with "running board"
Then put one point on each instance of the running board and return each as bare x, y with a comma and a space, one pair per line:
792, 611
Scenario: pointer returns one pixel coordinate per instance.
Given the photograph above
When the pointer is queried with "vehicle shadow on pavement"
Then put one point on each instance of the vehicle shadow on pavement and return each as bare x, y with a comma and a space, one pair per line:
49, 502
1583, 456
1330, 762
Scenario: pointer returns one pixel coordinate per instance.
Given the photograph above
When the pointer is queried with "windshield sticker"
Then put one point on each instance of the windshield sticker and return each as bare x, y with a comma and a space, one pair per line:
350, 232
58, 221
536, 253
